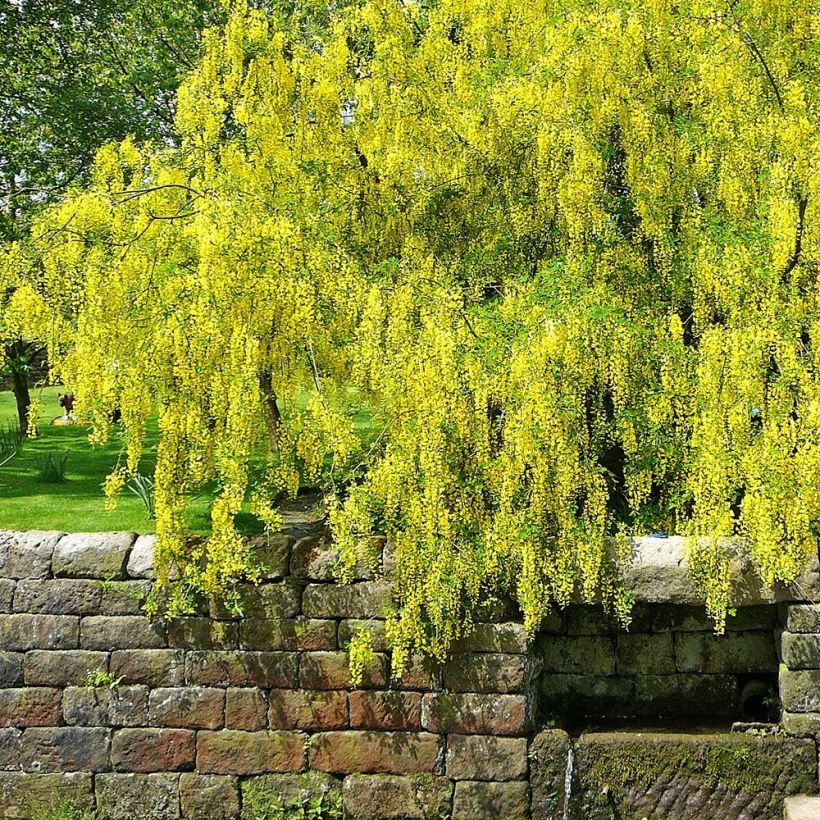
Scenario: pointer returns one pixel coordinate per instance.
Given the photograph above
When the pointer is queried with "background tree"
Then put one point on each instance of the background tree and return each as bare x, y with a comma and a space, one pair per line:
567, 253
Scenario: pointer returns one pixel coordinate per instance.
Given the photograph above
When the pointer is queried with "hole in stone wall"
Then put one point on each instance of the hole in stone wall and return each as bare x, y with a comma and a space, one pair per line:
668, 672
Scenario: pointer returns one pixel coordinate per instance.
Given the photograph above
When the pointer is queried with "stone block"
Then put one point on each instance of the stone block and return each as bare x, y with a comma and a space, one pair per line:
11, 669
803, 618
153, 750
331, 670
189, 707
307, 709
507, 637
801, 724
273, 553
208, 796
292, 634
686, 695
445, 712
58, 596
10, 750
7, 588
366, 599
151, 667
143, 796
470, 757
289, 789
474, 800
92, 555
141, 559
801, 807
65, 749
244, 753
486, 672
266, 601
266, 670
421, 673
24, 795
800, 650
386, 796
371, 752
647, 617
645, 654
109, 632
27, 554
581, 655
376, 630
202, 633
733, 652
548, 755
123, 597
113, 706
19, 633
69, 668
800, 690
246, 709
586, 619
34, 706
385, 710
587, 695
314, 558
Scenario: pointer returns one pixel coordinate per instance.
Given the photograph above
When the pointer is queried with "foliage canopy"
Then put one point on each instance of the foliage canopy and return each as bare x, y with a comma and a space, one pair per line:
566, 252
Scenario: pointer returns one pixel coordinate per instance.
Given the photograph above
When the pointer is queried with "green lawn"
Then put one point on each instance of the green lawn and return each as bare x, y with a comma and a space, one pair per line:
75, 505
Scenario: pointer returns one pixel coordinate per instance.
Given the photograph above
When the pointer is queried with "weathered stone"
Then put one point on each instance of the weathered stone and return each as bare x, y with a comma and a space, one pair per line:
271, 601
243, 753
246, 709
803, 618
92, 555
303, 515
307, 709
152, 667
371, 752
385, 710
289, 789
645, 654
292, 634
58, 596
191, 707
801, 807
146, 796
686, 695
27, 554
208, 797
648, 617
121, 632
11, 669
141, 558
503, 637
315, 558
7, 588
276, 670
735, 652
659, 572
474, 713
64, 749
70, 668
800, 650
800, 690
375, 629
24, 795
801, 724
387, 796
9, 750
273, 553
421, 673
490, 672
744, 618
23, 632
123, 597
490, 801
548, 755
583, 655
331, 670
30, 707
586, 696
105, 705
367, 599
470, 757
153, 750
202, 633
690, 776
586, 619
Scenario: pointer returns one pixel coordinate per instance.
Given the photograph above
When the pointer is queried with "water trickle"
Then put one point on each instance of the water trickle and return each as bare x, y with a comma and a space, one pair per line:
568, 780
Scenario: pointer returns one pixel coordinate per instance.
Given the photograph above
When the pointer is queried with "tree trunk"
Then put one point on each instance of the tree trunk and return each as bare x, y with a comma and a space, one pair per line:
20, 388
273, 416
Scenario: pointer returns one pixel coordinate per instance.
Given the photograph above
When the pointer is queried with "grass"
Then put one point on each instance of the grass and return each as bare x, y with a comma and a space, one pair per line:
76, 504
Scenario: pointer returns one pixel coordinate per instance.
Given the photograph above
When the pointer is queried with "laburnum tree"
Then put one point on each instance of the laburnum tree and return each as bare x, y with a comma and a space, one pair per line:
563, 255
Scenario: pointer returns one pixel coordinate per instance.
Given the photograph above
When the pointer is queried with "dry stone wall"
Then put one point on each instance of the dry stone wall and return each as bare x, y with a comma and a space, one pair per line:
205, 716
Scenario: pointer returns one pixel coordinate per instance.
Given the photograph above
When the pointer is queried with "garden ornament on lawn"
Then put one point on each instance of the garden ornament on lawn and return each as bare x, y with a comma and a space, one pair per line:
68, 418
